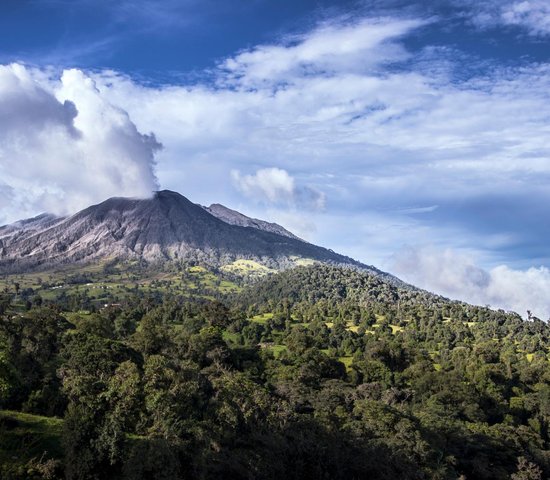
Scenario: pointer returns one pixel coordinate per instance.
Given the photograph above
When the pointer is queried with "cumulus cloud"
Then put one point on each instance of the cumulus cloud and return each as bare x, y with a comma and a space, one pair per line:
276, 186
63, 146
456, 275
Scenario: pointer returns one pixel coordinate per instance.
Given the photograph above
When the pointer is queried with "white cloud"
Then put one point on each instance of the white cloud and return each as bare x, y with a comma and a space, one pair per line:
531, 15
276, 186
456, 275
405, 151
331, 48
298, 222
63, 146
272, 184
451, 161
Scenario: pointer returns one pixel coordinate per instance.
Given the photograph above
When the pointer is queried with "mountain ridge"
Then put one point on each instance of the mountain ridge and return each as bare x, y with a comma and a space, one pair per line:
233, 217
167, 226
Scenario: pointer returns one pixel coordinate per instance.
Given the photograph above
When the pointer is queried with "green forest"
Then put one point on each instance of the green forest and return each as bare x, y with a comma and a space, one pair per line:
319, 372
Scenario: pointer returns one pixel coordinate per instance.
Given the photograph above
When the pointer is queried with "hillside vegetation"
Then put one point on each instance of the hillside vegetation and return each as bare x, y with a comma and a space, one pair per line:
319, 372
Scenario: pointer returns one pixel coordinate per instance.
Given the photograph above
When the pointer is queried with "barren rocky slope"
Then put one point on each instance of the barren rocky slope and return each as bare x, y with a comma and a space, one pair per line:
165, 227
236, 218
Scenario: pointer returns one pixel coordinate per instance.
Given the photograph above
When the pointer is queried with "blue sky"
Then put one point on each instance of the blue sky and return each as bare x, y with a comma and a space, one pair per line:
160, 40
167, 39
409, 135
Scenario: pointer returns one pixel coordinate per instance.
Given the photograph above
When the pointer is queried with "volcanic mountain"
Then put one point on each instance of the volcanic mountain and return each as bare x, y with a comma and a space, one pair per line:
165, 227
236, 218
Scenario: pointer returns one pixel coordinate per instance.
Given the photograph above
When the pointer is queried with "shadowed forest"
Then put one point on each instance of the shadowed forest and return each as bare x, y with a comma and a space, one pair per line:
319, 372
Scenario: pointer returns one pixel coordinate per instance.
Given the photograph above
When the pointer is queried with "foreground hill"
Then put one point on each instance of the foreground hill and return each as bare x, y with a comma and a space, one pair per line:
315, 372
333, 285
165, 227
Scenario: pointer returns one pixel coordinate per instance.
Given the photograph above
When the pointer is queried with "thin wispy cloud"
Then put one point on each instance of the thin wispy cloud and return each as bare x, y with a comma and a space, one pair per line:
533, 16
146, 14
331, 49
110, 29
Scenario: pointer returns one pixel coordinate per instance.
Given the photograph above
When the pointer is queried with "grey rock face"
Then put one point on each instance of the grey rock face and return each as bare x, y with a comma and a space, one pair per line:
29, 225
165, 227
236, 218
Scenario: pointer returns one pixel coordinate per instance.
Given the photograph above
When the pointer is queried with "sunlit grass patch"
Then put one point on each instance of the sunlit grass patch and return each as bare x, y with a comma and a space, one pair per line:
277, 349
247, 268
347, 361
263, 318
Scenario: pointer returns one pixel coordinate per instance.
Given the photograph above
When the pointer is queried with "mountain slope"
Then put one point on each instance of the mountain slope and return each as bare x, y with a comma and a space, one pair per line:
30, 225
165, 227
236, 218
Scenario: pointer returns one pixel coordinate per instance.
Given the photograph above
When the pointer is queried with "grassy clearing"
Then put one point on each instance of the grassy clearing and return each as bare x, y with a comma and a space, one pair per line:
263, 318
347, 361
302, 262
230, 337
24, 437
277, 349
247, 268
197, 269
107, 283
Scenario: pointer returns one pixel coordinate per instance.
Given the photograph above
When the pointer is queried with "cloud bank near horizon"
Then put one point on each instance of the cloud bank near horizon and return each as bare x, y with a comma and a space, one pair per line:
456, 275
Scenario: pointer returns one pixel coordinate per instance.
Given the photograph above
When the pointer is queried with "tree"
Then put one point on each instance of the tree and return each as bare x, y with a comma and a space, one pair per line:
527, 470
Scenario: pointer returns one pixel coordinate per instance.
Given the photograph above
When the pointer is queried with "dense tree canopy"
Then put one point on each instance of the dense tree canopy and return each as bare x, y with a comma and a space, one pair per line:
318, 372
